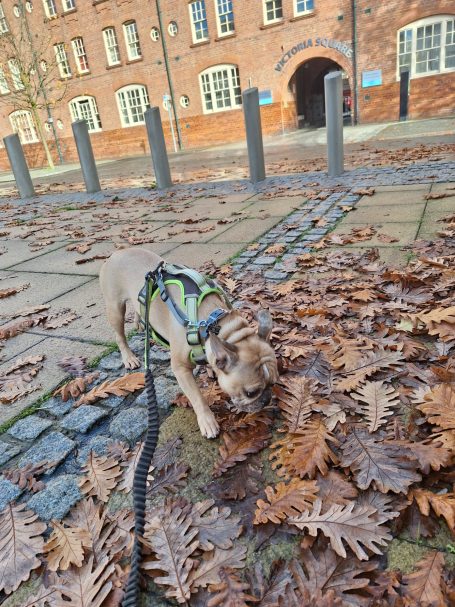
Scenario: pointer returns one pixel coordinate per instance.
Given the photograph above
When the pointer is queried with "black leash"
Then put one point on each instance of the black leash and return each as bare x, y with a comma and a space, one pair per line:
131, 598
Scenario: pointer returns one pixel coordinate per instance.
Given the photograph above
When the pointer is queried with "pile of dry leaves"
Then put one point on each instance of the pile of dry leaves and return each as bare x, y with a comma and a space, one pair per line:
358, 449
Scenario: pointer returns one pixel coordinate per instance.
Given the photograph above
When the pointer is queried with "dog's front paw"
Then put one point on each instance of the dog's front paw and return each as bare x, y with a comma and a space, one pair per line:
131, 361
208, 425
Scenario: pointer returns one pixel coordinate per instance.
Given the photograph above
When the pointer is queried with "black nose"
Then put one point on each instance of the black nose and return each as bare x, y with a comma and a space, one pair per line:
266, 397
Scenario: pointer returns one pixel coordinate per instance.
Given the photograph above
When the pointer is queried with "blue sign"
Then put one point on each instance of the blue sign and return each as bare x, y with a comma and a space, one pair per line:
265, 97
371, 78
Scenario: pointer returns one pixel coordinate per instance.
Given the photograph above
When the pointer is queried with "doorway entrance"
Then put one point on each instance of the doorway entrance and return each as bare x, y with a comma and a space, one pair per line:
307, 85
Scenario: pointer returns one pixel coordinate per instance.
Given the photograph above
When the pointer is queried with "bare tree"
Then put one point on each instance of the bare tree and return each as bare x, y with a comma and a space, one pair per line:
30, 72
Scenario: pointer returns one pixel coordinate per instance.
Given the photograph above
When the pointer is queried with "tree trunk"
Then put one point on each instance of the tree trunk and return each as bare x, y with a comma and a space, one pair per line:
42, 136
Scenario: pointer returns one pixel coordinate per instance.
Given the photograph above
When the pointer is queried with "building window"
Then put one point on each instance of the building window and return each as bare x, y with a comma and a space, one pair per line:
111, 45
28, 7
173, 28
3, 22
220, 88
225, 17
62, 60
4, 88
80, 55
69, 5
185, 101
132, 102
273, 11
303, 6
85, 108
16, 11
427, 47
43, 66
132, 40
155, 34
23, 125
15, 74
198, 21
50, 8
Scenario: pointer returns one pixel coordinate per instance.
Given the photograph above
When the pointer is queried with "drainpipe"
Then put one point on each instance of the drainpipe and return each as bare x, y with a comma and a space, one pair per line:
168, 73
354, 61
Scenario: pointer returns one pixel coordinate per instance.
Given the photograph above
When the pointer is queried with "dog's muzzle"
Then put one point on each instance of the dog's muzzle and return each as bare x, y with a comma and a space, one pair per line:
255, 405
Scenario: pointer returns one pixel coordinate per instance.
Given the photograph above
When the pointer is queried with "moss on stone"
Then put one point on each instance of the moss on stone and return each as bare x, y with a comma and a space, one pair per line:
119, 501
196, 451
286, 549
403, 554
269, 475
19, 597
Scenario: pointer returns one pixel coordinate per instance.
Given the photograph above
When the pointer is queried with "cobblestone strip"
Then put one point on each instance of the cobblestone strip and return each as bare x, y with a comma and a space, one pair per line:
297, 234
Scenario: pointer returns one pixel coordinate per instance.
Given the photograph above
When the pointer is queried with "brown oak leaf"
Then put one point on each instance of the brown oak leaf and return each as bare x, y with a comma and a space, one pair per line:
443, 504
439, 406
85, 585
353, 524
424, 584
379, 401
217, 528
239, 445
388, 465
297, 400
286, 500
209, 568
230, 592
65, 546
100, 476
76, 387
119, 387
21, 541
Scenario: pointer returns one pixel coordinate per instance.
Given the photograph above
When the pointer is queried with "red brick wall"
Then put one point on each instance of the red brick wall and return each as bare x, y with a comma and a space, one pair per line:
254, 48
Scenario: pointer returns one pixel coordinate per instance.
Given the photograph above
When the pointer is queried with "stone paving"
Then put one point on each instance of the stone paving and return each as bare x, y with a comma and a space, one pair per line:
63, 435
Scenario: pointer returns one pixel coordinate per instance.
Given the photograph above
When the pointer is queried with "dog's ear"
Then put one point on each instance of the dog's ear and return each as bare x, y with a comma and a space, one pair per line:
265, 324
225, 354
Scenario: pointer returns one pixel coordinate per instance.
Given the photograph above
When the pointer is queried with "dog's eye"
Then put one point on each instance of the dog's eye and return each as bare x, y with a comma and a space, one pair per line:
252, 393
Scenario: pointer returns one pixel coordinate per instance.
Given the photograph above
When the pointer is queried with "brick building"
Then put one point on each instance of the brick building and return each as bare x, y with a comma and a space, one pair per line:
193, 59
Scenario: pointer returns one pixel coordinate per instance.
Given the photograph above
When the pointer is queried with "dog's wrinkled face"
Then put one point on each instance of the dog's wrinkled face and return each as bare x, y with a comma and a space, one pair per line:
246, 370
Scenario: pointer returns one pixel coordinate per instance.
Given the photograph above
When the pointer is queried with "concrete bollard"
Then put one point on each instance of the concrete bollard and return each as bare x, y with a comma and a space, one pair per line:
253, 127
333, 84
86, 157
158, 148
19, 166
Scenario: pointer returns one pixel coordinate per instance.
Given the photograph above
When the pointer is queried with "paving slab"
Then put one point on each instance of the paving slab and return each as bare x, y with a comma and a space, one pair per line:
384, 214
394, 198
18, 251
443, 188
194, 255
405, 233
214, 208
92, 324
245, 231
63, 262
51, 374
181, 232
277, 207
403, 188
391, 256
43, 289
16, 346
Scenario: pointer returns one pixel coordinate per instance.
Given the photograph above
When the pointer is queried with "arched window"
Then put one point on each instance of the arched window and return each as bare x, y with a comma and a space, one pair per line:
220, 88
85, 108
23, 124
132, 102
427, 46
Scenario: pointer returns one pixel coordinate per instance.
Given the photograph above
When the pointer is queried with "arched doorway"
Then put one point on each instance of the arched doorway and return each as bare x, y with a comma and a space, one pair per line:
307, 86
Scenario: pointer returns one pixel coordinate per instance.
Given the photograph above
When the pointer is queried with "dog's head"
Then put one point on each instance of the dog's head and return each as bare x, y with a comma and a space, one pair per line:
247, 368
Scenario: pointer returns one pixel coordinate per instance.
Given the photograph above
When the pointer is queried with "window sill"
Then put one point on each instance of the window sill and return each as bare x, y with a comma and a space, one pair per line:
112, 67
80, 74
51, 19
226, 37
201, 43
267, 26
307, 15
70, 12
95, 2
130, 61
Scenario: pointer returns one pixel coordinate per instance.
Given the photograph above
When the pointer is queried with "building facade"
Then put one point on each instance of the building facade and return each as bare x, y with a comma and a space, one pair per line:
194, 58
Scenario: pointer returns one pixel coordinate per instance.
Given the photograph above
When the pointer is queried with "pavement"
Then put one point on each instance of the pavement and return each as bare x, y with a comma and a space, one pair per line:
298, 151
221, 222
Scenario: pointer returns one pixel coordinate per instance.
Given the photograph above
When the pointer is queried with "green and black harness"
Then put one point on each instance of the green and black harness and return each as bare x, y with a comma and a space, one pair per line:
194, 288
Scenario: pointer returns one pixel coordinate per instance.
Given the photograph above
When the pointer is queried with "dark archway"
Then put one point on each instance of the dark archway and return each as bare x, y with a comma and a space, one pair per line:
307, 85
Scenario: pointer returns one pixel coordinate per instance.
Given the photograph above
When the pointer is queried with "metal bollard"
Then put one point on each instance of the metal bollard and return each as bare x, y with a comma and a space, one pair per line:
19, 166
253, 128
333, 84
158, 147
86, 157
